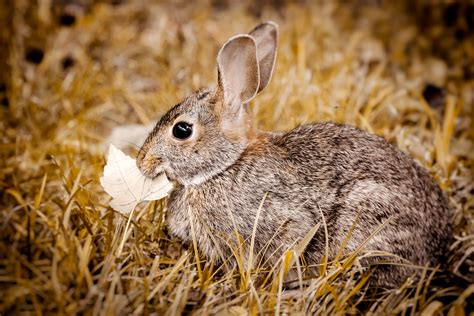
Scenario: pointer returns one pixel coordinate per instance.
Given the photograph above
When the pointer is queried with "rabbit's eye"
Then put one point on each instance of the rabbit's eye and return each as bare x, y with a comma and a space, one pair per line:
182, 130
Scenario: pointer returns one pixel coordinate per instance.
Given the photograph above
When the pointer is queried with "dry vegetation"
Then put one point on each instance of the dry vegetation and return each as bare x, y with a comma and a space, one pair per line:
62, 249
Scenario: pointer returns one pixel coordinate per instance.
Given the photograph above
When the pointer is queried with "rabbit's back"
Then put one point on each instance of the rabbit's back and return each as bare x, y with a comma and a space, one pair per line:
368, 180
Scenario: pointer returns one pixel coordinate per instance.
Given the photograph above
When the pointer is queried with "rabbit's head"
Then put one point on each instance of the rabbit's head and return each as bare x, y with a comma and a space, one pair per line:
209, 130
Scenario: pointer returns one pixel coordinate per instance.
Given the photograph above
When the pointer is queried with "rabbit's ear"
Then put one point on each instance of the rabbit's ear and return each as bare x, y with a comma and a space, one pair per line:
266, 38
238, 70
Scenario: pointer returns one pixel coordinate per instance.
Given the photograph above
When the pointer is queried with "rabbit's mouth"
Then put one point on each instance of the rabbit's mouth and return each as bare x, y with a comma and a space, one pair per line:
150, 165
156, 171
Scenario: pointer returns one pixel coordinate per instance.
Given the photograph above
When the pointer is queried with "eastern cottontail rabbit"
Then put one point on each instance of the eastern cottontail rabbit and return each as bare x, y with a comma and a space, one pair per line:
224, 168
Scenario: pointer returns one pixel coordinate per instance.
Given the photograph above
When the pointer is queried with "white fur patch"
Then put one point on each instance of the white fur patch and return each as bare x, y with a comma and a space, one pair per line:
369, 190
197, 180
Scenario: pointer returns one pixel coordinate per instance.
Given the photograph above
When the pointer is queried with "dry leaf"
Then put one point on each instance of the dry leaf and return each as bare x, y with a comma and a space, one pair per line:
127, 185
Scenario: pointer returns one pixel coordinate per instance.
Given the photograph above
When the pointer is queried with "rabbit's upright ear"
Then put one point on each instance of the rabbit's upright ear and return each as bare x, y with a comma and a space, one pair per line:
238, 70
266, 38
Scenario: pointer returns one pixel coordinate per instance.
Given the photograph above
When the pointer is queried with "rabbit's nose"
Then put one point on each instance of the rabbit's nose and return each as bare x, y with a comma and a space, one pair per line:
149, 164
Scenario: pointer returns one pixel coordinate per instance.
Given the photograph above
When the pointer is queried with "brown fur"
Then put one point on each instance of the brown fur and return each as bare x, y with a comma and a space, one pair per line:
336, 171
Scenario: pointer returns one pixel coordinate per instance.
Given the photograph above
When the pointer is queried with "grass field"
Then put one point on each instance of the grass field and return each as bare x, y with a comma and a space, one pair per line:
72, 74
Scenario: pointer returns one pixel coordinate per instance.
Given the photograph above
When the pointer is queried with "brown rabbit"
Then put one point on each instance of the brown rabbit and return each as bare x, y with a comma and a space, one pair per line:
224, 168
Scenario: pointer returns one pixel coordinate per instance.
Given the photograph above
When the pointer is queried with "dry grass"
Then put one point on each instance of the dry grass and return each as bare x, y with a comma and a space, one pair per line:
63, 250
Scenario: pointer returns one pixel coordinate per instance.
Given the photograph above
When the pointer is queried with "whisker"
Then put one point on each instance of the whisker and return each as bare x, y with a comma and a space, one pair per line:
130, 143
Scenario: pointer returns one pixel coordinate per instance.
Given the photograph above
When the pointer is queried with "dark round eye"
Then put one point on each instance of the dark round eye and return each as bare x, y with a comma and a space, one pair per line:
182, 130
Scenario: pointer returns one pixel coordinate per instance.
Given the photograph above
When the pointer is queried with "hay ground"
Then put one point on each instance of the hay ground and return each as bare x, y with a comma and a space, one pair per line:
71, 74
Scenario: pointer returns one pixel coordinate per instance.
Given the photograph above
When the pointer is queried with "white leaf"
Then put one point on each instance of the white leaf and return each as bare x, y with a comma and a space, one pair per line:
127, 185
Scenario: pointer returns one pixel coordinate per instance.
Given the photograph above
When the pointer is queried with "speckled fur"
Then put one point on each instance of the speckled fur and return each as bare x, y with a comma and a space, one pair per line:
336, 170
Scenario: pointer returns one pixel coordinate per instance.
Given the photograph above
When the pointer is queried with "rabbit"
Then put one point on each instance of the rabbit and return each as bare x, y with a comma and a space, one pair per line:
226, 171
